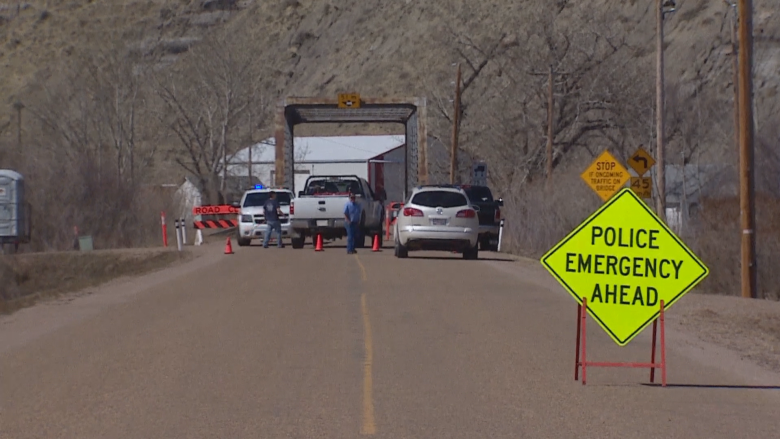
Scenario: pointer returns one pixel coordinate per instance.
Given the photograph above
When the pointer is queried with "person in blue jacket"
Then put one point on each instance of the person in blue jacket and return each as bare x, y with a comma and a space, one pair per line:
352, 212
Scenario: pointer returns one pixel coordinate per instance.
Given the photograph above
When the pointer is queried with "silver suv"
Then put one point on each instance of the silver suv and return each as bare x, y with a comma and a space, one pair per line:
437, 217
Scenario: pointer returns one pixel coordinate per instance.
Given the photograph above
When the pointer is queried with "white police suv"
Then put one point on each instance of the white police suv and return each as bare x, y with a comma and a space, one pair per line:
251, 218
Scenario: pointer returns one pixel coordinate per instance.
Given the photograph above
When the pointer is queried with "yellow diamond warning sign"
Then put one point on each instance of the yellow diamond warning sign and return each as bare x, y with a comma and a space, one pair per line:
641, 161
624, 260
605, 175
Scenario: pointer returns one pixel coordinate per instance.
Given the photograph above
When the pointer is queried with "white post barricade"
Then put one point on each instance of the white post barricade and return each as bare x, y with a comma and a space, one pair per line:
178, 234
500, 233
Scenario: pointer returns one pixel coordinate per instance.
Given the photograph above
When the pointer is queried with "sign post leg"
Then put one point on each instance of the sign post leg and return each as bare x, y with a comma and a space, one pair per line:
577, 354
652, 354
663, 346
583, 316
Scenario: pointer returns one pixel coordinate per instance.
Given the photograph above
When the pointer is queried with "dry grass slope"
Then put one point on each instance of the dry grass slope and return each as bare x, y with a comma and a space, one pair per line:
27, 278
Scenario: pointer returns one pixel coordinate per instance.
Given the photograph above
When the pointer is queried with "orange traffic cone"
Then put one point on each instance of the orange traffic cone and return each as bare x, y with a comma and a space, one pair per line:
228, 247
376, 244
318, 247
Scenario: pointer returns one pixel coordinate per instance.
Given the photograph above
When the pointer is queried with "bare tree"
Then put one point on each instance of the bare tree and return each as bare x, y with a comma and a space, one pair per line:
208, 98
594, 98
97, 104
119, 95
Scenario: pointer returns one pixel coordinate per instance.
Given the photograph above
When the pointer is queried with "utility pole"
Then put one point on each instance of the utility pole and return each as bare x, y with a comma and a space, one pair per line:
660, 110
735, 72
251, 145
455, 129
746, 178
550, 105
223, 188
19, 106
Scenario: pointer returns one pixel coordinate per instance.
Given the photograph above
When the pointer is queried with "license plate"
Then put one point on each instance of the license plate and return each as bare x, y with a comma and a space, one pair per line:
322, 223
438, 221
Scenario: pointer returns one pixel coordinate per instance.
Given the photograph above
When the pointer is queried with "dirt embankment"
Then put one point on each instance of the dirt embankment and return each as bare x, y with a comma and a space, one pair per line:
26, 278
749, 328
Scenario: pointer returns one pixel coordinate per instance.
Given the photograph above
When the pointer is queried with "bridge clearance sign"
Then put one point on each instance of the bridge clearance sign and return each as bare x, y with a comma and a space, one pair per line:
624, 260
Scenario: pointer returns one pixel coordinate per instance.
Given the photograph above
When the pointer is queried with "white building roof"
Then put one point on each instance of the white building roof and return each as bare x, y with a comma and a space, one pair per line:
324, 149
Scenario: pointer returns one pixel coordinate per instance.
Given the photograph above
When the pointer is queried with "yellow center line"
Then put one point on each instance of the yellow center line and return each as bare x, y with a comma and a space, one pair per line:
369, 426
362, 268
368, 401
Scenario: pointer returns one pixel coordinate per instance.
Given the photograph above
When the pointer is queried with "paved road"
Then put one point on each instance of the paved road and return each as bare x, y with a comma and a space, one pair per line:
297, 344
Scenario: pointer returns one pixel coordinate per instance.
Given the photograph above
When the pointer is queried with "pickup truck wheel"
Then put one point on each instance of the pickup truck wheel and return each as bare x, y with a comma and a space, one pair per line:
471, 253
297, 242
485, 245
360, 239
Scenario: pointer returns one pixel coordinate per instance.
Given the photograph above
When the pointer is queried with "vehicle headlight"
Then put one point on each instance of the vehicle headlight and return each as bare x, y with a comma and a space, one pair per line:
246, 218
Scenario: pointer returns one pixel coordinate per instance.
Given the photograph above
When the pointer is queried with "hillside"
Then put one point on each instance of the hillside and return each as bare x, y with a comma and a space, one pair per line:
398, 34
378, 48
119, 94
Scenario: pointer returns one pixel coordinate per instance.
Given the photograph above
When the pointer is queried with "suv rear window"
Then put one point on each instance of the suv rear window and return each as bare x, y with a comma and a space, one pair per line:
479, 194
255, 199
439, 199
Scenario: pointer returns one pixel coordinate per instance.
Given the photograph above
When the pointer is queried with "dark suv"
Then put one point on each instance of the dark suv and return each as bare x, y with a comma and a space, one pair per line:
489, 215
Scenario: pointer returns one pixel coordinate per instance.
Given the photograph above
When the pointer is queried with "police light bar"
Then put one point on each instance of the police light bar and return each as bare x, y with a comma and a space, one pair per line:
258, 186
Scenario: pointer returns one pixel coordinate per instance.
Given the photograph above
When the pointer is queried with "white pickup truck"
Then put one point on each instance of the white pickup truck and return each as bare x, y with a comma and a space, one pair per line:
319, 209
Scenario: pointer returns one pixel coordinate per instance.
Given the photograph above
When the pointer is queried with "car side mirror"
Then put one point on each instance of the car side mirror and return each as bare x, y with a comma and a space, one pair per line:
236, 204
300, 193
501, 202
475, 207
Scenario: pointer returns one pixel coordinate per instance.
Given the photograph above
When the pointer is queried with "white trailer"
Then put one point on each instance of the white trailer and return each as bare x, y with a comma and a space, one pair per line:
380, 160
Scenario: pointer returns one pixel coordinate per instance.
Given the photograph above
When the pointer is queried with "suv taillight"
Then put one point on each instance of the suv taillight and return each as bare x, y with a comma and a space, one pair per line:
411, 211
468, 213
498, 214
292, 208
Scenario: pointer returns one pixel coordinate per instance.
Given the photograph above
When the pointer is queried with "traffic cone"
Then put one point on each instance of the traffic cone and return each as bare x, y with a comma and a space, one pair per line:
376, 244
228, 247
318, 247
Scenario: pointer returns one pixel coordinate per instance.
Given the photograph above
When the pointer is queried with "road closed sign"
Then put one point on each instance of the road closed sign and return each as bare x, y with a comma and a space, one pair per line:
624, 260
215, 210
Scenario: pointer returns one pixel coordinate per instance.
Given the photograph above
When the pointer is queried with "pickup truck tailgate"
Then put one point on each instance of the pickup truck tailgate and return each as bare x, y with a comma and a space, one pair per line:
319, 207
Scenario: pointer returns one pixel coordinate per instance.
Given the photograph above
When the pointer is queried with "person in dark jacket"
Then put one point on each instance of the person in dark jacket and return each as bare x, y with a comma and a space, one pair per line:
272, 212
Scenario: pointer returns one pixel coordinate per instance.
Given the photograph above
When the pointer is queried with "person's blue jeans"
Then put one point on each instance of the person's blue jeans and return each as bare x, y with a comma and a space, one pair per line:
270, 227
352, 229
